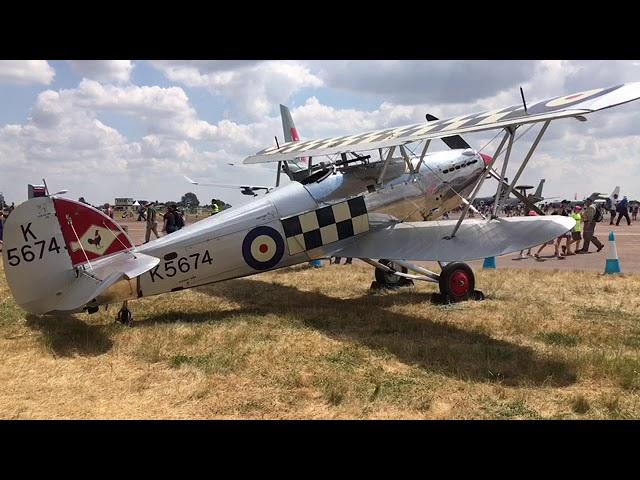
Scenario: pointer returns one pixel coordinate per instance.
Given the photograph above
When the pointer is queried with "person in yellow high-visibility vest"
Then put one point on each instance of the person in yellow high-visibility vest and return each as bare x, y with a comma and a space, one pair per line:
214, 208
576, 232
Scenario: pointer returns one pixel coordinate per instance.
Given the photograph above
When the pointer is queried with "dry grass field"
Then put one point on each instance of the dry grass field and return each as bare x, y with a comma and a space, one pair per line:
314, 343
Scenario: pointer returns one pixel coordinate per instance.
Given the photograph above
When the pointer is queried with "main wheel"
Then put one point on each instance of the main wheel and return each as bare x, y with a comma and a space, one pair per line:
390, 280
457, 281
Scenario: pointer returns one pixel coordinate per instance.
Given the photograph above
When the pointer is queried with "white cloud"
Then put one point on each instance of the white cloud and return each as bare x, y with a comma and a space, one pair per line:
107, 71
253, 88
68, 139
26, 72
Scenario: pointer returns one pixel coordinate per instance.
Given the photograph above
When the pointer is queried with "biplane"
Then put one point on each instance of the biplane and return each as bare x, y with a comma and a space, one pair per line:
377, 196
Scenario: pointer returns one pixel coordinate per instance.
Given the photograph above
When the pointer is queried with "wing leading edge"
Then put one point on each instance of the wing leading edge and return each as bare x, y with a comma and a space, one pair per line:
580, 103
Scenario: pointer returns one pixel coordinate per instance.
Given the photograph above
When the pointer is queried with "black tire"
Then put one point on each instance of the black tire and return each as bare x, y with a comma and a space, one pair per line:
125, 317
457, 281
390, 280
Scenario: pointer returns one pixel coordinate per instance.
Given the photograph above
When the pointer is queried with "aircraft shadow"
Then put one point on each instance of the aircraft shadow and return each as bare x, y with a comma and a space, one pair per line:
434, 346
68, 336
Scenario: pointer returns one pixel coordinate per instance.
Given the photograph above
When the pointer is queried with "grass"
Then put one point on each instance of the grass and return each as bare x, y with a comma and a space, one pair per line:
558, 338
314, 343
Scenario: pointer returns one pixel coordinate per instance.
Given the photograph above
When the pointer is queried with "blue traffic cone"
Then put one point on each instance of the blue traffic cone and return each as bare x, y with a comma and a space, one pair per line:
613, 263
489, 262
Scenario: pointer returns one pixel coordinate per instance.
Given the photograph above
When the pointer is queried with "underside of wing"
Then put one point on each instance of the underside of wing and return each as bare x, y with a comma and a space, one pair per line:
566, 106
424, 241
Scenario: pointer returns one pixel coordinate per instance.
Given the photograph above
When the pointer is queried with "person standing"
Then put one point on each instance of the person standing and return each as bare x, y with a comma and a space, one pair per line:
590, 218
612, 206
152, 224
214, 207
576, 232
532, 213
623, 211
179, 217
634, 212
169, 220
556, 242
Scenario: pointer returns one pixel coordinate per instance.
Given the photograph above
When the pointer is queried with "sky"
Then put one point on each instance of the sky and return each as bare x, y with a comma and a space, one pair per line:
132, 128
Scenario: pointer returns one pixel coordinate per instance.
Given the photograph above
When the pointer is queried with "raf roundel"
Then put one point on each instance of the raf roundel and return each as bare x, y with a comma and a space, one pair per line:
262, 248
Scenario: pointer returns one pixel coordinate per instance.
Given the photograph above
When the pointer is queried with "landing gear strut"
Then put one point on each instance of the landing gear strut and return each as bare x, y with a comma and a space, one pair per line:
456, 280
390, 280
124, 315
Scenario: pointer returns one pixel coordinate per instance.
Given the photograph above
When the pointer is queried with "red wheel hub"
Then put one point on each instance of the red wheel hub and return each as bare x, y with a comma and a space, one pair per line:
459, 283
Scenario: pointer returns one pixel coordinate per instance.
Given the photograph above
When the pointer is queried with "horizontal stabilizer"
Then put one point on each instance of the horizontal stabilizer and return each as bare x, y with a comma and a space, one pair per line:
476, 238
105, 273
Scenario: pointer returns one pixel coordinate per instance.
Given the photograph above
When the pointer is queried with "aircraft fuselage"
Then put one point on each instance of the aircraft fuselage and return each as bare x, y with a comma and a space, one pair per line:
250, 238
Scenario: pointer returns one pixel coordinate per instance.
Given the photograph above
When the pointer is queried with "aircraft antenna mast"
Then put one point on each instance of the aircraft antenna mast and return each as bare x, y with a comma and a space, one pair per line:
524, 103
279, 163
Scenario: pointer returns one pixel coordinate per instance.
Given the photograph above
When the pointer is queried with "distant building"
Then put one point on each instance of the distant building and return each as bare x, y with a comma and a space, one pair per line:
123, 203
36, 191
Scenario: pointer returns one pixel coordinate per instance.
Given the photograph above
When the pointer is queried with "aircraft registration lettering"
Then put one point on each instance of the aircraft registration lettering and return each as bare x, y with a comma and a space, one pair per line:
185, 264
29, 252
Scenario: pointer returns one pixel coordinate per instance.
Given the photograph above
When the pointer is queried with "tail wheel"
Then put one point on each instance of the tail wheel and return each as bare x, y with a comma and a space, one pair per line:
457, 281
390, 280
125, 317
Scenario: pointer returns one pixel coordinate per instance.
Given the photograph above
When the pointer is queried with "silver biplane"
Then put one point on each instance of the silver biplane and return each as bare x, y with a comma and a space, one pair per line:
373, 198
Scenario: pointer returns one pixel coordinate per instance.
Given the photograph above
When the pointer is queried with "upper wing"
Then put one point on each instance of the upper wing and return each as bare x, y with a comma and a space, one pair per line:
566, 106
225, 185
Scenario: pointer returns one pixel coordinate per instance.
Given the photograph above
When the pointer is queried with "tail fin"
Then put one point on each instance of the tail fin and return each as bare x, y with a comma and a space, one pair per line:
300, 165
616, 191
288, 127
538, 193
47, 243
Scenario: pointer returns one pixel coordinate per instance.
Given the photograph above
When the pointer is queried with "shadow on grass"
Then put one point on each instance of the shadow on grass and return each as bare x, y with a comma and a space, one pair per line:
67, 336
434, 346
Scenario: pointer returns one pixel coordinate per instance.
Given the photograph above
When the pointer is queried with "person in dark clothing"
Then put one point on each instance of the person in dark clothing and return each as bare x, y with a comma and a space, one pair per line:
170, 220
623, 211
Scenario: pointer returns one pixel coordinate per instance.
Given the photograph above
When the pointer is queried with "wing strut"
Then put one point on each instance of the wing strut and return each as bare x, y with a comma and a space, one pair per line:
424, 152
386, 164
479, 185
406, 159
505, 162
526, 160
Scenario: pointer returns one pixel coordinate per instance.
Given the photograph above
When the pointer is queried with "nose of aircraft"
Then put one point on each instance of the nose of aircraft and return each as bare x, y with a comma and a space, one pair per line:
486, 158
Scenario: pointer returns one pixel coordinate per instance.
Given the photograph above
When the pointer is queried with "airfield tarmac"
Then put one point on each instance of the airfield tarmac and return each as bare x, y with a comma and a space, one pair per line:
627, 242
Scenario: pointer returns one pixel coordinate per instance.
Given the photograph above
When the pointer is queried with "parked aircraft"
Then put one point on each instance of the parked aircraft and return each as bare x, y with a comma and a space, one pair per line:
350, 207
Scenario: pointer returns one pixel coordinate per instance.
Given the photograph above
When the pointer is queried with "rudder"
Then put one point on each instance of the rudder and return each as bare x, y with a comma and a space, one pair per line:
45, 238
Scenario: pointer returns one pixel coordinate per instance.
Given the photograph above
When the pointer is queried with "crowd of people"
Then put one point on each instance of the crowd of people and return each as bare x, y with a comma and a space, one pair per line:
172, 220
584, 231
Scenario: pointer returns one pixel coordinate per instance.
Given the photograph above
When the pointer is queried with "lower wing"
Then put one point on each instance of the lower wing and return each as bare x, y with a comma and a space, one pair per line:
425, 241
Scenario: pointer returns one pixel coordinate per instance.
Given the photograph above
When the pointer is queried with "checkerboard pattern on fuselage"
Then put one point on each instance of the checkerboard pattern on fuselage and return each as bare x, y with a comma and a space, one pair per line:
325, 225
